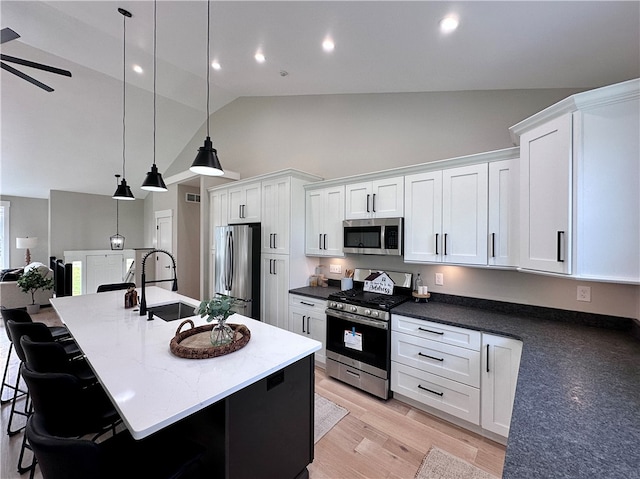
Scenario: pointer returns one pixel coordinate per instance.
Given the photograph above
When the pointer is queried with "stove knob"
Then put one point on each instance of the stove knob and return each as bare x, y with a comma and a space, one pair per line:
367, 312
376, 314
332, 304
354, 309
340, 305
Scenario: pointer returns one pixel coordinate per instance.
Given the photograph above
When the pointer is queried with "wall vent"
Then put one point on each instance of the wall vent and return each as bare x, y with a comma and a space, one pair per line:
192, 198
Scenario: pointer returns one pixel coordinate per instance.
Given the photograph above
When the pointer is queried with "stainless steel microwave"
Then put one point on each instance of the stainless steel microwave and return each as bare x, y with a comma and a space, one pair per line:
373, 236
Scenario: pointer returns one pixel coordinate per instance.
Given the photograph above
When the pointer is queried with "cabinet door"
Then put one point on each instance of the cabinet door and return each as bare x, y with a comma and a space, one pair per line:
423, 217
545, 196
501, 213
358, 201
244, 204
464, 214
314, 224
274, 290
500, 365
387, 200
219, 209
333, 217
317, 328
276, 209
236, 200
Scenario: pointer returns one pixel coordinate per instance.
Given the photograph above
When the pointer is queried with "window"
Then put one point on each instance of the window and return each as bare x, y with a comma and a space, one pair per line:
5, 258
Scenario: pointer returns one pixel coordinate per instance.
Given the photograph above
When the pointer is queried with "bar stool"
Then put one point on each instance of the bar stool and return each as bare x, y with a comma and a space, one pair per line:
21, 316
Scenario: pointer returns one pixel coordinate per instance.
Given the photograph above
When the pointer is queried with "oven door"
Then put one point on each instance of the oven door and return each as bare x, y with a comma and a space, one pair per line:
364, 341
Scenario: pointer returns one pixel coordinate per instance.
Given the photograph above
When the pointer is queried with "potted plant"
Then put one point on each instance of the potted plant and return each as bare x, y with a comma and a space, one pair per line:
30, 282
219, 309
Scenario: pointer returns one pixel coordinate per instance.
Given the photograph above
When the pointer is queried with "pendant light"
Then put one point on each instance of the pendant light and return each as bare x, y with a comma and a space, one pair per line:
153, 180
206, 162
117, 240
123, 192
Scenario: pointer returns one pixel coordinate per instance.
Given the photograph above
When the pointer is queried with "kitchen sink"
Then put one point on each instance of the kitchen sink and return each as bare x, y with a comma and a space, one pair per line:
173, 311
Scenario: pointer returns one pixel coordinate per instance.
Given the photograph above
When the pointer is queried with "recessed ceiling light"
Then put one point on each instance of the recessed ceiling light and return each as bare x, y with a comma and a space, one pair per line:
137, 69
215, 65
328, 45
259, 57
449, 23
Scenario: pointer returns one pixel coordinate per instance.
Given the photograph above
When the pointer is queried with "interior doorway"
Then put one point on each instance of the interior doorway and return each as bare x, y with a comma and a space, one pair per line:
164, 240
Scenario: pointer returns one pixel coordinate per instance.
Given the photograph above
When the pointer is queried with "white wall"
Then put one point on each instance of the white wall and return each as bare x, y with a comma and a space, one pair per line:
80, 221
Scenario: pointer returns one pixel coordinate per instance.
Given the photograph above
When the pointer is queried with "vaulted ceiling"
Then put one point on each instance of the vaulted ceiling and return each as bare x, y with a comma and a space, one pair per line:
71, 139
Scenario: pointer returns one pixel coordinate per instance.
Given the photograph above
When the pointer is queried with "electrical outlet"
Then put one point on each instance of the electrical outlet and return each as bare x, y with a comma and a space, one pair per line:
584, 293
439, 279
335, 268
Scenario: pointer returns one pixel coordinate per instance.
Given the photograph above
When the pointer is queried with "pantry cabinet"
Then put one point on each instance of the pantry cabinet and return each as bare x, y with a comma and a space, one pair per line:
579, 183
446, 215
383, 198
324, 216
500, 364
276, 214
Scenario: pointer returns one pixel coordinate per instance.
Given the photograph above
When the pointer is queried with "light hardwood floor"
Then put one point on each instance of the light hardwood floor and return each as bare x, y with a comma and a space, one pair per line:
376, 440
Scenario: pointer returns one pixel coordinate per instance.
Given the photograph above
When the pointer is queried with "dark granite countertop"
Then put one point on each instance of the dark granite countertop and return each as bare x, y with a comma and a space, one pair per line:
577, 406
315, 291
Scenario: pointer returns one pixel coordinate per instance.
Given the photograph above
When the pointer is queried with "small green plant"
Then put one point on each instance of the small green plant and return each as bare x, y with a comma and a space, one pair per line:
32, 281
216, 308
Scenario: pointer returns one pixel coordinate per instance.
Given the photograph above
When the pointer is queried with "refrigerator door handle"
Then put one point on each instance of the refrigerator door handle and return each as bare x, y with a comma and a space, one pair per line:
231, 260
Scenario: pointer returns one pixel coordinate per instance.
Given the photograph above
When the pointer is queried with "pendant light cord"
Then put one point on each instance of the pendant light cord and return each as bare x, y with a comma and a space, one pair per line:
124, 87
208, 67
155, 27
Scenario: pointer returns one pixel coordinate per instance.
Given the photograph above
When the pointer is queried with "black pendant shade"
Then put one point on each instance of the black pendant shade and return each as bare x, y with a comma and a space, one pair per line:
154, 181
123, 192
206, 162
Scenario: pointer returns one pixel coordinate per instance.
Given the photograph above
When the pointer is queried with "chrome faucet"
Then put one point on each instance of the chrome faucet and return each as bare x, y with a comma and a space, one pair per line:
143, 299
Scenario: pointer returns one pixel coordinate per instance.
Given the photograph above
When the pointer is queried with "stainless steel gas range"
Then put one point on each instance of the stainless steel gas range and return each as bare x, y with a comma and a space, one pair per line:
359, 333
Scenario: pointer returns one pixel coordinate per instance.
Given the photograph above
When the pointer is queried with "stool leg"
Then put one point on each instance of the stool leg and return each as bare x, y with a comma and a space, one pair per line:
5, 384
13, 407
31, 467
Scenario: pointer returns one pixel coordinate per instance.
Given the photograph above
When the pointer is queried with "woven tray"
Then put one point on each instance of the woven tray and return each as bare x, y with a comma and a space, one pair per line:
195, 343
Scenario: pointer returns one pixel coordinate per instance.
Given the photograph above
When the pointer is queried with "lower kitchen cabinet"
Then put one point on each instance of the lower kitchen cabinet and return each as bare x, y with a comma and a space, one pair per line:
500, 364
307, 317
274, 289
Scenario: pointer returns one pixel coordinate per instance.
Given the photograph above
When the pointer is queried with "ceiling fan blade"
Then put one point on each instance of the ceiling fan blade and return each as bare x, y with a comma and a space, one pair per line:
39, 66
6, 35
24, 76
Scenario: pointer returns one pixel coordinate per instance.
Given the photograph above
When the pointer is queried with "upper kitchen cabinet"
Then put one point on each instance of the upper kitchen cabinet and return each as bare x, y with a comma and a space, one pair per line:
446, 215
324, 216
383, 198
579, 183
283, 213
503, 202
244, 203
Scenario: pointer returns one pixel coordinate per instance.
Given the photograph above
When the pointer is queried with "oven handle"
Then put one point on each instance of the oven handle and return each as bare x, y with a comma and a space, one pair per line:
355, 318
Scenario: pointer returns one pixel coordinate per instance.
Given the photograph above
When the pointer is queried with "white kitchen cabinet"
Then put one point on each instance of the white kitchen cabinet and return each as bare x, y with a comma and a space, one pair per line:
218, 211
446, 215
244, 203
436, 365
276, 214
307, 317
274, 290
545, 196
383, 198
323, 221
500, 365
579, 183
503, 202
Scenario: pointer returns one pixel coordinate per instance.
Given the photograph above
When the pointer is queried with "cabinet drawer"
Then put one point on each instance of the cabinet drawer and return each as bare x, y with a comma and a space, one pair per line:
443, 333
457, 399
451, 362
318, 305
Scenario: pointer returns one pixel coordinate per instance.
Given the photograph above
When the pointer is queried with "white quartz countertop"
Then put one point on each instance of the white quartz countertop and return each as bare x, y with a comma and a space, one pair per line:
151, 387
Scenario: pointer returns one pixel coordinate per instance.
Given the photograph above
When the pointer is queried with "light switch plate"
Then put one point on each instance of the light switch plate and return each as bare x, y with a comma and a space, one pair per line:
335, 268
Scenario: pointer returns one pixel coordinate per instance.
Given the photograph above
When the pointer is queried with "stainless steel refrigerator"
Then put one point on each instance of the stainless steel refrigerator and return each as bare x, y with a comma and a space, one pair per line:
237, 266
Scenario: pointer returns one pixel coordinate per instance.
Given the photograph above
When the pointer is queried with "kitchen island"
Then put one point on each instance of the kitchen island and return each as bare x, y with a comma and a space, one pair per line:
255, 400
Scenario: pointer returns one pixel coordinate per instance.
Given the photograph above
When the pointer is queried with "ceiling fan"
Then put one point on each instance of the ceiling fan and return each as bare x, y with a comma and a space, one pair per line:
6, 35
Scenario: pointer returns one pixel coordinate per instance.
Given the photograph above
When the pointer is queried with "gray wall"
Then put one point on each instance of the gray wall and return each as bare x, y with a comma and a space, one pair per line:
28, 217
80, 221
